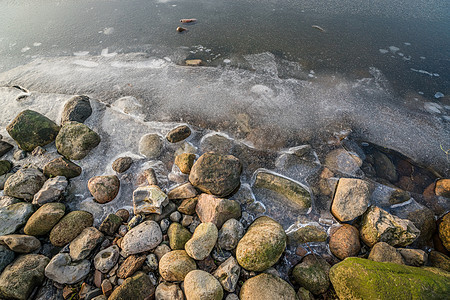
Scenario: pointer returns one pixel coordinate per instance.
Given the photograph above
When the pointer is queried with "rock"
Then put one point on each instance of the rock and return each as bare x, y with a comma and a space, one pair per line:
62, 167
164, 224
228, 274
24, 183
193, 62
6, 257
413, 257
19, 154
51, 191
106, 259
62, 270
107, 287
70, 226
184, 191
152, 262
216, 174
175, 217
295, 192
76, 140
5, 166
202, 241
104, 188
344, 242
5, 148
200, 285
123, 214
43, 220
149, 200
188, 206
378, 225
262, 245
304, 294
268, 287
161, 250
175, 265
178, 236
178, 134
147, 177
3, 179
424, 220
150, 145
351, 199
144, 237
230, 234
217, 210
167, 290
83, 244
184, 162
7, 200
77, 109
442, 188
312, 274
343, 161
439, 260
384, 167
20, 243
165, 213
19, 279
14, 216
383, 252
130, 266
110, 225
444, 231
358, 278
31, 129
122, 164
138, 287
306, 233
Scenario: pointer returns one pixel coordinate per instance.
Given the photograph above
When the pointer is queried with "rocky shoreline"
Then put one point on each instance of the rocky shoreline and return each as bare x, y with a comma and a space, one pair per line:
350, 221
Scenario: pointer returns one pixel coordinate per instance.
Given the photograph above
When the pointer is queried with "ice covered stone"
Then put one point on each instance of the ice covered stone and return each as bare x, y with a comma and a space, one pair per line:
75, 140
77, 109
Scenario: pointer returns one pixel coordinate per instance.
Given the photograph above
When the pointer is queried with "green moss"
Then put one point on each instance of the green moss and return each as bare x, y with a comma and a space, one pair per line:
357, 278
5, 166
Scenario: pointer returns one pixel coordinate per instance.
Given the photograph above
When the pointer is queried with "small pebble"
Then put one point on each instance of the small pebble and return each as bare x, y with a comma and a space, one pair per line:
187, 220
165, 223
122, 230
175, 216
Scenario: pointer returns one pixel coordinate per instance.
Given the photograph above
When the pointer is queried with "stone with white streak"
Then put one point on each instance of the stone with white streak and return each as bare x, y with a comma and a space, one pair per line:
51, 191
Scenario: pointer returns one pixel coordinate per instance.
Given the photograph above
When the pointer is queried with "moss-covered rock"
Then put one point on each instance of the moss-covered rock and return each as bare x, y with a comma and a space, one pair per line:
293, 191
76, 140
184, 162
312, 274
175, 265
138, 287
62, 167
268, 287
5, 166
262, 245
25, 183
358, 278
444, 231
43, 220
178, 236
70, 226
31, 129
306, 233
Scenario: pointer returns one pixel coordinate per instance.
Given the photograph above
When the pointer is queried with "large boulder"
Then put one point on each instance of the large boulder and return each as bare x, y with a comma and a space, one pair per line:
104, 188
62, 270
200, 285
312, 274
77, 109
262, 245
70, 226
76, 140
351, 199
268, 287
175, 265
137, 287
20, 278
25, 183
358, 278
61, 166
377, 225
217, 210
144, 237
43, 220
294, 191
31, 129
14, 216
216, 174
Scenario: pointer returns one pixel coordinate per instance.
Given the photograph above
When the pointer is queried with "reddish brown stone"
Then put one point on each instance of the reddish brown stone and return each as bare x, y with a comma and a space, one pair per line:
428, 193
404, 168
187, 207
130, 266
217, 210
104, 188
443, 188
123, 214
301, 251
344, 242
98, 278
107, 287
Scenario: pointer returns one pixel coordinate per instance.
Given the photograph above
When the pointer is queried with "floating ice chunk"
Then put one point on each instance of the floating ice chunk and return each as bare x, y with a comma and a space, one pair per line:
149, 64
407, 44
85, 63
167, 59
106, 53
227, 61
438, 95
420, 93
383, 51
37, 44
81, 53
108, 30
432, 107
128, 105
400, 54
425, 72
25, 49
408, 57
262, 90
394, 49
422, 57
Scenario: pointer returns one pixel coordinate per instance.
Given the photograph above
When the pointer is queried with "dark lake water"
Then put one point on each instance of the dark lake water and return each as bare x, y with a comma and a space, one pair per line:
409, 41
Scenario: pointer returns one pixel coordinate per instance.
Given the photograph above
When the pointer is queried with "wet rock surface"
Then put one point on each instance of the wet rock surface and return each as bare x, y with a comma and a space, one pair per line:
75, 140
104, 188
77, 109
24, 184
